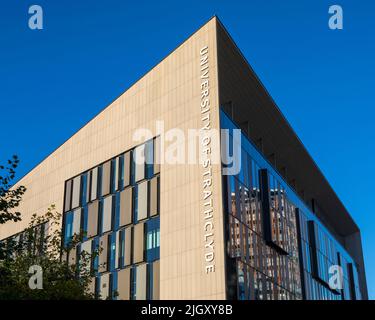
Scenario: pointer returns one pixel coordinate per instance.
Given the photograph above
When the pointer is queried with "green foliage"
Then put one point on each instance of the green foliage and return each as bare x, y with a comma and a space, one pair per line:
61, 279
9, 198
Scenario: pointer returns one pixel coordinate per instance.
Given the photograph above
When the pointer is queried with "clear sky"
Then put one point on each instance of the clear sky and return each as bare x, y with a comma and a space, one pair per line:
54, 80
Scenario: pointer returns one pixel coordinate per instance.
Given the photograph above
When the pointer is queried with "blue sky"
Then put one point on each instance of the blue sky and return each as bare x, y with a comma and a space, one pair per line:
55, 80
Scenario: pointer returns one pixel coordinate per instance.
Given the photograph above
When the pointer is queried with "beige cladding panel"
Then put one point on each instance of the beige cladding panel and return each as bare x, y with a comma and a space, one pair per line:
138, 242
123, 284
103, 255
127, 246
107, 214
76, 192
104, 286
77, 222
68, 195
93, 216
126, 206
141, 281
126, 169
154, 191
142, 200
94, 184
106, 178
170, 92
156, 280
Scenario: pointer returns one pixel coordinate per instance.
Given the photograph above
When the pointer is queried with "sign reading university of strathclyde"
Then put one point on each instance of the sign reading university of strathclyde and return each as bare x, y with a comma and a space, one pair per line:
208, 207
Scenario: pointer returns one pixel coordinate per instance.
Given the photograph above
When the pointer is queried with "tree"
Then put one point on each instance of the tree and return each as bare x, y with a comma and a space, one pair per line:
40, 247
10, 198
61, 278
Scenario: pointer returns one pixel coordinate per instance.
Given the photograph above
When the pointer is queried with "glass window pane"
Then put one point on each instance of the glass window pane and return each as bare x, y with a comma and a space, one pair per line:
149, 240
149, 158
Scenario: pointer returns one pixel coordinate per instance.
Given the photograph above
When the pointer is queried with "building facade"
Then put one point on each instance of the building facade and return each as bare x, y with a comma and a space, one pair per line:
173, 228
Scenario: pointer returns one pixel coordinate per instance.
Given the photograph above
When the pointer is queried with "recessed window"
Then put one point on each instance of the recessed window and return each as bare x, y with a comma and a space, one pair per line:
153, 239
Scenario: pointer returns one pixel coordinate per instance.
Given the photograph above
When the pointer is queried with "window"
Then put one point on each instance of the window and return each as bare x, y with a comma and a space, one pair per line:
149, 158
68, 227
117, 205
153, 239
124, 246
72, 225
84, 189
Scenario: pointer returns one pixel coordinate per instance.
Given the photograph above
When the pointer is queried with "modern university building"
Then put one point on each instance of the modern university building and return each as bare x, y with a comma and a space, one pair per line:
185, 230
